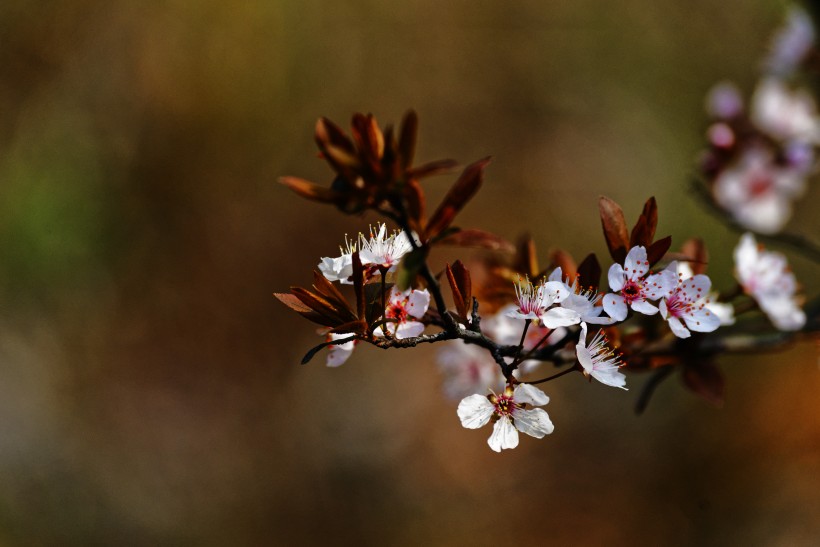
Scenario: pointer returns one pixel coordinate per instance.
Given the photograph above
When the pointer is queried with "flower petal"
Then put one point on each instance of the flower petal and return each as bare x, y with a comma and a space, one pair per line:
560, 317
678, 329
615, 306
475, 411
534, 422
409, 329
644, 307
504, 435
610, 375
528, 394
418, 302
697, 287
702, 320
636, 265
616, 277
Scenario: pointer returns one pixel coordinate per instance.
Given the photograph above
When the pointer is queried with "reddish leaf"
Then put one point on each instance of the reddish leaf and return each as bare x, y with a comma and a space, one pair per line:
478, 238
526, 261
461, 285
358, 284
331, 314
414, 196
437, 167
358, 327
614, 226
656, 251
368, 136
695, 252
292, 302
644, 229
460, 193
589, 272
706, 380
329, 290
309, 190
407, 138
329, 134
562, 259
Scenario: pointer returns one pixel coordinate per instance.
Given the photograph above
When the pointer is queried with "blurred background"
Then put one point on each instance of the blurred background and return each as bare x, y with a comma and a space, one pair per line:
150, 391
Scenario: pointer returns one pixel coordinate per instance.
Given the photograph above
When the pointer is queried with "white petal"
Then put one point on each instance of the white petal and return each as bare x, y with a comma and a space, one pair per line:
535, 422
554, 291
635, 264
560, 317
661, 284
644, 307
696, 287
584, 357
678, 328
556, 275
702, 320
616, 277
610, 375
409, 329
528, 394
418, 302
504, 435
662, 307
615, 306
339, 353
475, 411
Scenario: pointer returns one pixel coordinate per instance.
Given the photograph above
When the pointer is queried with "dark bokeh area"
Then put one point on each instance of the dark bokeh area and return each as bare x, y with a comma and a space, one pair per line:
150, 391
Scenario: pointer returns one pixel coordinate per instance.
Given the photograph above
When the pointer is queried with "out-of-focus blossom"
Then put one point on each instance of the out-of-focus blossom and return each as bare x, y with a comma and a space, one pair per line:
724, 101
783, 113
598, 360
791, 44
765, 275
467, 369
509, 410
633, 288
339, 353
583, 302
535, 301
687, 304
402, 307
757, 192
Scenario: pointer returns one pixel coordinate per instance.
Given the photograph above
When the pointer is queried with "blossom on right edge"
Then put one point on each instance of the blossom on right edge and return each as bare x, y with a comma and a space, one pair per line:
766, 277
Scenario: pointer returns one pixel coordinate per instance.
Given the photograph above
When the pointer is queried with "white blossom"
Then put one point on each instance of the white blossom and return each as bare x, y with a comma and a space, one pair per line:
583, 302
632, 287
536, 302
402, 307
339, 268
766, 277
382, 251
783, 113
598, 360
467, 368
509, 409
688, 304
757, 192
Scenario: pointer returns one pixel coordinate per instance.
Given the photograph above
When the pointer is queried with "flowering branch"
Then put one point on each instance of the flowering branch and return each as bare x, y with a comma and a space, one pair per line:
656, 311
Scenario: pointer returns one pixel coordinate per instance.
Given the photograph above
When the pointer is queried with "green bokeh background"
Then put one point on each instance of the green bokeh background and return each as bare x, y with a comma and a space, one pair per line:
150, 391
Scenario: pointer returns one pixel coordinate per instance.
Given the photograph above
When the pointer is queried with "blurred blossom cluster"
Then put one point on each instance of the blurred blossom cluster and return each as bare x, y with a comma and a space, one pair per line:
761, 154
